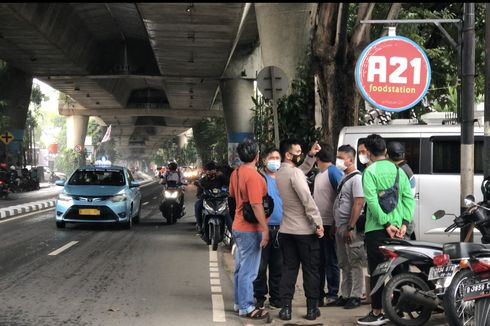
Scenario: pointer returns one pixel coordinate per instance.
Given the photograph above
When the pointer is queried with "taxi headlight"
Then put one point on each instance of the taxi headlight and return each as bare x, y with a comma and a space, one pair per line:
64, 197
171, 194
118, 198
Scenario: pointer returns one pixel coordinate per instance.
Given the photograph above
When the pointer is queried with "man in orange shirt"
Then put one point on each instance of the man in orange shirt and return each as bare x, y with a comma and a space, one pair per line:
247, 185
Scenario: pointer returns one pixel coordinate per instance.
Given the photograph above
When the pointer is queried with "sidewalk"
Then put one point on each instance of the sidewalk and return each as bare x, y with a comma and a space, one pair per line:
330, 316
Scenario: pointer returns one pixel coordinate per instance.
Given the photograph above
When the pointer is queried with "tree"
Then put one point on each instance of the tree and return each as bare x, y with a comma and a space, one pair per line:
211, 141
33, 116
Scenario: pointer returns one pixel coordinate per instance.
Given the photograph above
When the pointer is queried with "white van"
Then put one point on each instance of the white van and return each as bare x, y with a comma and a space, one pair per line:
433, 153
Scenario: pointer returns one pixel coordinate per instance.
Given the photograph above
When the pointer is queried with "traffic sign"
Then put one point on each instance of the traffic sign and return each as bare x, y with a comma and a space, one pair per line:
78, 148
6, 137
272, 82
393, 73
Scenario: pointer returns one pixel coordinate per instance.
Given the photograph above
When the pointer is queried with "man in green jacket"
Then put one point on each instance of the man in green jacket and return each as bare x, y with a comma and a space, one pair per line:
379, 176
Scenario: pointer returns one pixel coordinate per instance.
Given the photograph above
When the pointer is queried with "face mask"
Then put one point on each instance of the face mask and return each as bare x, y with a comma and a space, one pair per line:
340, 163
297, 159
363, 158
273, 165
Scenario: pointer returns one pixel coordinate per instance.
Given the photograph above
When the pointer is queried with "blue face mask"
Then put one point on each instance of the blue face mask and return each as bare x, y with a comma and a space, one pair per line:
273, 165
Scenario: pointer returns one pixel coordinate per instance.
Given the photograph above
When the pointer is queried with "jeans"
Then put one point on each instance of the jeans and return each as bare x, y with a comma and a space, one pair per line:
296, 250
329, 267
247, 261
271, 257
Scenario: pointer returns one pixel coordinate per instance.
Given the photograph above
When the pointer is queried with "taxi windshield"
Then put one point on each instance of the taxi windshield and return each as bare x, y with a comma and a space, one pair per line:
102, 177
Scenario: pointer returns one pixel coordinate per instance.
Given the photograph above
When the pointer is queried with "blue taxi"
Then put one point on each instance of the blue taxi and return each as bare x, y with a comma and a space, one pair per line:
99, 194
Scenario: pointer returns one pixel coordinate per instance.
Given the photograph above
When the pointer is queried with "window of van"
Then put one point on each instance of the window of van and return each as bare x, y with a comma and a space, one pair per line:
412, 152
446, 155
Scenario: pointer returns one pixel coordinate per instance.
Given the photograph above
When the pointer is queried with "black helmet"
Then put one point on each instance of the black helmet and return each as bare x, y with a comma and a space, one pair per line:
172, 165
485, 189
396, 150
211, 166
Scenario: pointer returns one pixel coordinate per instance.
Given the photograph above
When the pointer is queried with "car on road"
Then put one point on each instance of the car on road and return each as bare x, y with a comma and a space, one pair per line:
99, 194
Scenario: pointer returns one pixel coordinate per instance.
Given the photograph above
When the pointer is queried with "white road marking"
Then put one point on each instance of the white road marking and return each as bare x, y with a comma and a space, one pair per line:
218, 308
60, 250
25, 215
219, 315
146, 203
155, 197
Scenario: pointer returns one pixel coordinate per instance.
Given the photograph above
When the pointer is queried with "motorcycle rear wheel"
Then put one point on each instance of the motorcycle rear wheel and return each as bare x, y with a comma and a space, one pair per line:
482, 312
391, 294
458, 313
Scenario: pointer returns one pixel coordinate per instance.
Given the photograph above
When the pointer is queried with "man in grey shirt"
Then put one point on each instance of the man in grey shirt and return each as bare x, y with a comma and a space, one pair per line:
349, 245
300, 228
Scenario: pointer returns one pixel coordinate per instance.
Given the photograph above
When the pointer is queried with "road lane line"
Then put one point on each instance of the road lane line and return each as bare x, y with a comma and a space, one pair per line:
215, 281
213, 256
146, 203
218, 308
213, 269
214, 275
155, 197
213, 264
216, 289
25, 215
60, 250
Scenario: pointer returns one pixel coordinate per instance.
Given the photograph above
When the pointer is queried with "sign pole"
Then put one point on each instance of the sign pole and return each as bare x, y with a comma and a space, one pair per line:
274, 108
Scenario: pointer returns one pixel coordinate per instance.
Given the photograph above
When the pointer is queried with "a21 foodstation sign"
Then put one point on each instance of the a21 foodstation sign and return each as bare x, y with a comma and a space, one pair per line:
393, 73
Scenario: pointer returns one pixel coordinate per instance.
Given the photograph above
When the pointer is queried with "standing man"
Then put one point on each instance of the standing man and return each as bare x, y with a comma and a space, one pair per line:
378, 177
396, 153
271, 257
299, 231
350, 245
247, 185
324, 193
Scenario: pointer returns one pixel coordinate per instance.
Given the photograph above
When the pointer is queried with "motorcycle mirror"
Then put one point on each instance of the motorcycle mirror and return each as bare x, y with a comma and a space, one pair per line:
469, 200
439, 214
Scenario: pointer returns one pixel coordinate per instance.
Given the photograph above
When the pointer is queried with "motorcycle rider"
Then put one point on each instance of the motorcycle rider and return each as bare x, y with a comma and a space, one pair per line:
173, 173
211, 178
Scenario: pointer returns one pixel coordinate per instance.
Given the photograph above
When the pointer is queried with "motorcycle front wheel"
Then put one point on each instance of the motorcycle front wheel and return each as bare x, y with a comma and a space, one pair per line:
215, 235
457, 311
482, 312
405, 313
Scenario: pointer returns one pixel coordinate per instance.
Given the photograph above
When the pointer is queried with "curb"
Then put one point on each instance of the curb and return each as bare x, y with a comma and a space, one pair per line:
26, 208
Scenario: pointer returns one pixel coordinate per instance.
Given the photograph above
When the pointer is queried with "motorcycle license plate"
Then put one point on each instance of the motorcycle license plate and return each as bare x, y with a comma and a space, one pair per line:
478, 290
436, 273
88, 211
383, 268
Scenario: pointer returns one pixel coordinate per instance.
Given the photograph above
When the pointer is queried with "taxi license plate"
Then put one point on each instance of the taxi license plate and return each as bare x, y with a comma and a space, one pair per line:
478, 290
383, 268
441, 272
89, 211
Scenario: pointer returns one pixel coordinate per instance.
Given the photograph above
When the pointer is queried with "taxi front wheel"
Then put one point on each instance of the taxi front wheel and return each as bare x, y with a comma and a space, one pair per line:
60, 224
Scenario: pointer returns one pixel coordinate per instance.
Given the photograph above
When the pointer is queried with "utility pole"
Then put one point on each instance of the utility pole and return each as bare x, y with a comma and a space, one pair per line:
467, 109
486, 138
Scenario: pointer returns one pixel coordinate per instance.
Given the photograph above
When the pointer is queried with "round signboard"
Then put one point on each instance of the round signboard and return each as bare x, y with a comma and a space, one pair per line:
393, 73
78, 148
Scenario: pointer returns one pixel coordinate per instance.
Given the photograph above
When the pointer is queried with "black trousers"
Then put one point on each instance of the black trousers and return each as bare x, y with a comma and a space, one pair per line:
375, 257
271, 257
296, 250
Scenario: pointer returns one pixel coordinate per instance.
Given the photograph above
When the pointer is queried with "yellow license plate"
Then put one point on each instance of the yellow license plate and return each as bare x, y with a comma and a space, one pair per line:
88, 211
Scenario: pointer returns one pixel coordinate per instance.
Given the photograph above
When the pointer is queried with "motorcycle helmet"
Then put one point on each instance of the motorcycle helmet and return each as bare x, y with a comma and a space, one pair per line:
172, 165
12, 167
211, 166
396, 150
485, 189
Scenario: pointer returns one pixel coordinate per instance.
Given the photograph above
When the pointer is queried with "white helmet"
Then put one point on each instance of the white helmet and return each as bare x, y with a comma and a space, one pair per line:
12, 167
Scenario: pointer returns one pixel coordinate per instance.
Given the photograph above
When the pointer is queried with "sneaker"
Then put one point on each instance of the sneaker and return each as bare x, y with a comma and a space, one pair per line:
330, 301
340, 302
353, 303
371, 319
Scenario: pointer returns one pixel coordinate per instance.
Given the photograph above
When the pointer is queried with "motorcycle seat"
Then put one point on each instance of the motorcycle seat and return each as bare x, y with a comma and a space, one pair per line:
413, 243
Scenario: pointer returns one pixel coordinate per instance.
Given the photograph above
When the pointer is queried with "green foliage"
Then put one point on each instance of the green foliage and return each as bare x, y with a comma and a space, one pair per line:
211, 140
67, 161
184, 156
296, 113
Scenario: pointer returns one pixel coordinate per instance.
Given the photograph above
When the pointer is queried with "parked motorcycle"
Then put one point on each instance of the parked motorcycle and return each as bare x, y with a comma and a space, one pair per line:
215, 210
410, 298
171, 205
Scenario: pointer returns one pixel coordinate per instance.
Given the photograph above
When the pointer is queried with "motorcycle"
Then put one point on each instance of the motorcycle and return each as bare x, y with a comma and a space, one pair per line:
215, 210
171, 205
410, 298
477, 288
4, 184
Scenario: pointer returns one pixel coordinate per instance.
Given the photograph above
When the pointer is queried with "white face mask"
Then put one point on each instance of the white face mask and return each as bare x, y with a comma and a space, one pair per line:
363, 158
273, 165
340, 163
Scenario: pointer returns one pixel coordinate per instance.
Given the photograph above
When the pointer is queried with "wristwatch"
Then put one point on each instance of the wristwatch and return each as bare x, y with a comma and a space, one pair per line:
350, 228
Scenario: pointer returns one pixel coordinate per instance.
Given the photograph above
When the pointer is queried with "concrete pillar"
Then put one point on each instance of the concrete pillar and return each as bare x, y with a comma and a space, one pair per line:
182, 140
15, 96
236, 95
76, 130
284, 32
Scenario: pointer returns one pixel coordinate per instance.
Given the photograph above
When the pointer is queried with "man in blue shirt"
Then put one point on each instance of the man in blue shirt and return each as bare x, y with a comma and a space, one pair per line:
271, 255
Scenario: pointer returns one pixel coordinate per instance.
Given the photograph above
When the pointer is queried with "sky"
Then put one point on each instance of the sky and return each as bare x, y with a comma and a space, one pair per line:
52, 104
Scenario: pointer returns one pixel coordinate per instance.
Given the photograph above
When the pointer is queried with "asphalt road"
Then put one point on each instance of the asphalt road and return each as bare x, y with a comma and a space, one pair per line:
153, 274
